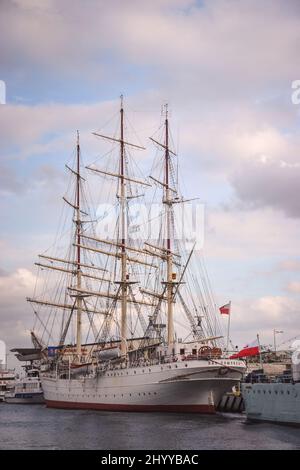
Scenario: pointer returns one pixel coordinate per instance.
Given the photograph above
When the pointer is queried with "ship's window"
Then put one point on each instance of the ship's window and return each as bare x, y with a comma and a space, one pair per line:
288, 392
281, 392
135, 371
144, 393
276, 393
149, 370
181, 352
186, 365
270, 392
194, 351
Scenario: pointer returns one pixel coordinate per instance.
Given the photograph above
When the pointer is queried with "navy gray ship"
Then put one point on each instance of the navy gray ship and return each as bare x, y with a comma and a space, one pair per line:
277, 401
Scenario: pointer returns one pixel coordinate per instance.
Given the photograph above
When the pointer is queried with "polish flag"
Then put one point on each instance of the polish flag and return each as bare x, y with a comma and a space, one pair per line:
225, 309
251, 349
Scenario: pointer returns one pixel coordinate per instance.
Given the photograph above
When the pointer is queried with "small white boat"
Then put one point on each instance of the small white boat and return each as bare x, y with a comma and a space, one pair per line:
27, 390
7, 381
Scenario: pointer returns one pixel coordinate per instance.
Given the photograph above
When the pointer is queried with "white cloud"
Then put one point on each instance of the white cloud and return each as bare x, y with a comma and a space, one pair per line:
252, 234
290, 265
208, 44
16, 316
294, 287
261, 316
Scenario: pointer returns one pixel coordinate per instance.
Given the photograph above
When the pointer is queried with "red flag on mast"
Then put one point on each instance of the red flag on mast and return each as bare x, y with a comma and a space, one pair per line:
225, 309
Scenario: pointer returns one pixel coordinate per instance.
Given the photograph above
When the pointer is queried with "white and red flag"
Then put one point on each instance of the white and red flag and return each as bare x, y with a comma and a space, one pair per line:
225, 309
251, 349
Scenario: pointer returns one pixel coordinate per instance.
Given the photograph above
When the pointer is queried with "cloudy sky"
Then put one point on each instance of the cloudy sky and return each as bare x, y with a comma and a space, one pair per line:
226, 69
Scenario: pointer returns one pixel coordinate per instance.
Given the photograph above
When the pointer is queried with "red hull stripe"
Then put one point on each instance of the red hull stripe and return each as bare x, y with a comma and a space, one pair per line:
118, 407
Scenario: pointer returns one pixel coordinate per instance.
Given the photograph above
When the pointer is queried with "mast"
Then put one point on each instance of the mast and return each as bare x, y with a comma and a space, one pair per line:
123, 235
78, 253
168, 202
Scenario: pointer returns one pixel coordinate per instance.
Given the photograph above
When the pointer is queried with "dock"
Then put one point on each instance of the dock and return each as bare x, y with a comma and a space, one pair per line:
231, 403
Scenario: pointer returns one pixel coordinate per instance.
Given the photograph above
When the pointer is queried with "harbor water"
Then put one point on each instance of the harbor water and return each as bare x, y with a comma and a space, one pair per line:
37, 427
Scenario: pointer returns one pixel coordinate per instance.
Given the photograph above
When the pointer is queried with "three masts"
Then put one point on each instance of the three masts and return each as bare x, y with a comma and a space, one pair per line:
121, 369
123, 250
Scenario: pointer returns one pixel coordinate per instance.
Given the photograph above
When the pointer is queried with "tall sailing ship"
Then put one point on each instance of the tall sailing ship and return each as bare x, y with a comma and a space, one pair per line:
111, 312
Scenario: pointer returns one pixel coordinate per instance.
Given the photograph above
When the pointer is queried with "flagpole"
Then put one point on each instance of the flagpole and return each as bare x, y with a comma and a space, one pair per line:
228, 326
259, 350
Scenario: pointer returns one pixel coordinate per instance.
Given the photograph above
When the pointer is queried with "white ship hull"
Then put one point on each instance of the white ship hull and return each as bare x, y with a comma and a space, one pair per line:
274, 402
185, 386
